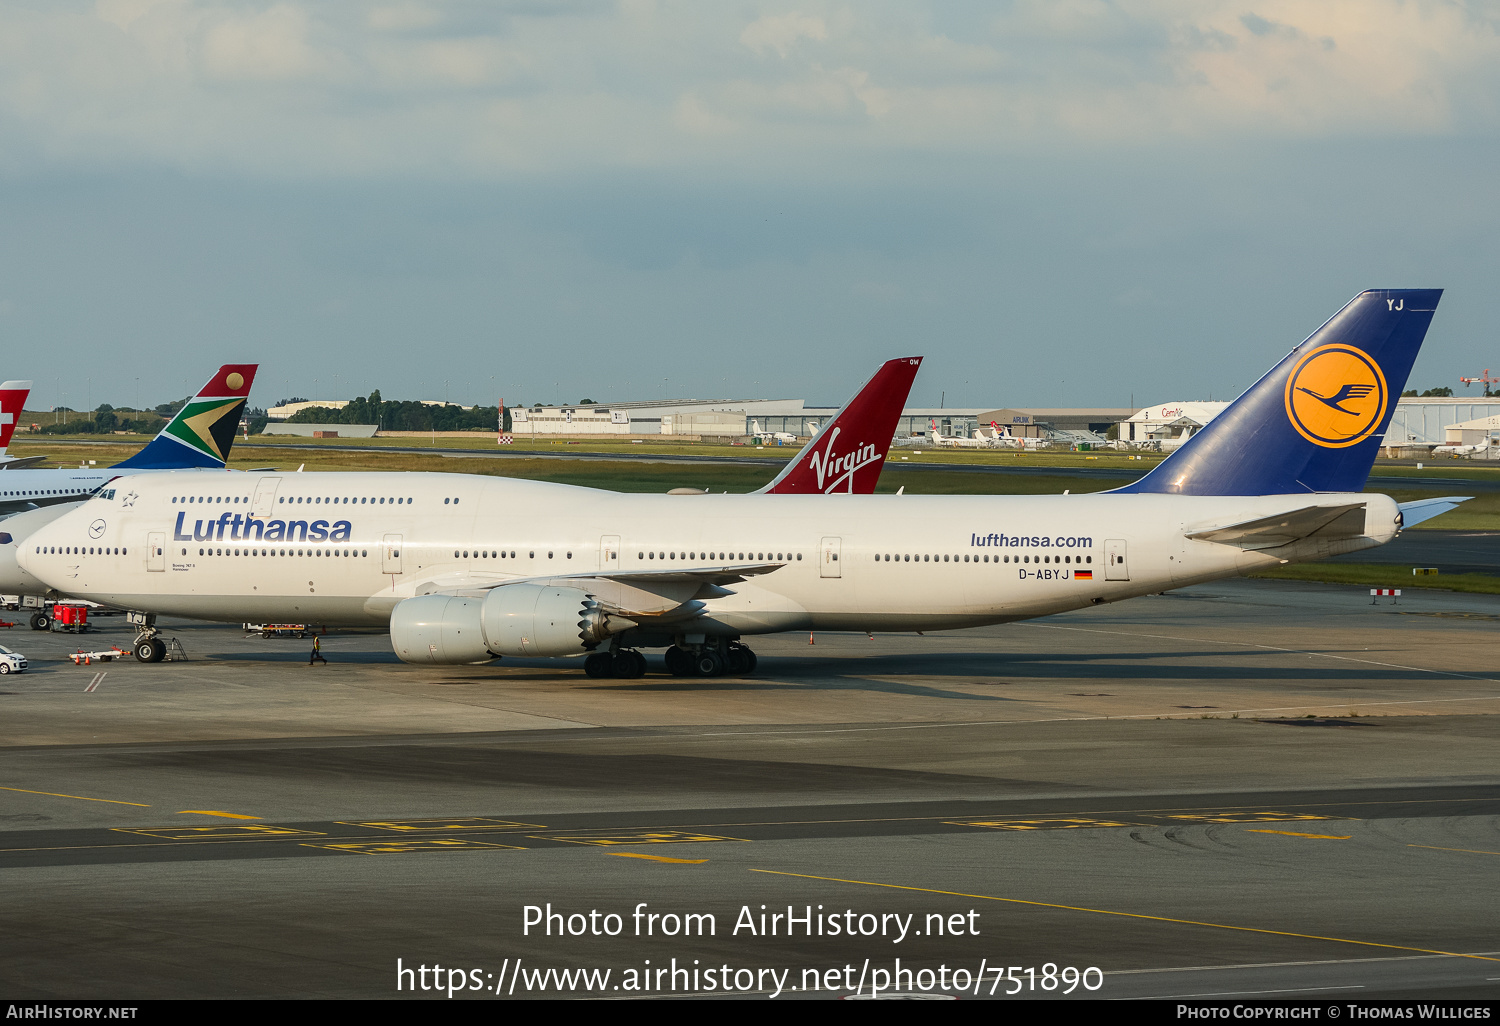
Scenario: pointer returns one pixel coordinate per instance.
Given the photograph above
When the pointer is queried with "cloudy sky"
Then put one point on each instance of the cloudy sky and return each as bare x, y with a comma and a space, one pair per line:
1060, 202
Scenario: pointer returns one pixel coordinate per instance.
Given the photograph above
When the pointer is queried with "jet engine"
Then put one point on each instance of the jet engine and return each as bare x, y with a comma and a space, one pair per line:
515, 620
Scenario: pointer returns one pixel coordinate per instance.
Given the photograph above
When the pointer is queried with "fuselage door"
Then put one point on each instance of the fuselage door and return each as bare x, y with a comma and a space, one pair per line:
390, 556
1115, 567
265, 497
156, 551
609, 553
829, 564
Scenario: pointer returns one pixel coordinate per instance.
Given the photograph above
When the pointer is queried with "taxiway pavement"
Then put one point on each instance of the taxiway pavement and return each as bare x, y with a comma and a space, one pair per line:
1246, 788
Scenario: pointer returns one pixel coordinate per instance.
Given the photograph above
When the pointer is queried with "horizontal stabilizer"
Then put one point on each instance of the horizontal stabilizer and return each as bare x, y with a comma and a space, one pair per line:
1413, 513
17, 462
1343, 521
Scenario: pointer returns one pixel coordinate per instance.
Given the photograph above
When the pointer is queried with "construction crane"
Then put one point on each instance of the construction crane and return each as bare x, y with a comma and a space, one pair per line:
1484, 379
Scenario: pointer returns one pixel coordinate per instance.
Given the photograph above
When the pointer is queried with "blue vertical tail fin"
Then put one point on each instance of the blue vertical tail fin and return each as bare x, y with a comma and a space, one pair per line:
1316, 420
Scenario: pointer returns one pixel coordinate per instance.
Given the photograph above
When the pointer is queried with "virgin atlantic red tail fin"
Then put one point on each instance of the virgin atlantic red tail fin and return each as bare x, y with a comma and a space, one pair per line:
847, 453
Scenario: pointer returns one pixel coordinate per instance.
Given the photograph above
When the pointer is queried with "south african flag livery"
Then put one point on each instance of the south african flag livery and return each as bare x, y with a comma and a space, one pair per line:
203, 430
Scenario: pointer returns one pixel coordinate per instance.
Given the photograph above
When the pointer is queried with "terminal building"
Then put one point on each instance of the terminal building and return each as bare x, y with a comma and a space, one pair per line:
1168, 425
1426, 422
701, 418
726, 418
1418, 423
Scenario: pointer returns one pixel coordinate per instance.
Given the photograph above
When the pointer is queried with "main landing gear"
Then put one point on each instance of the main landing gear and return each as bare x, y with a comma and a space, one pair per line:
711, 661
622, 664
714, 657
149, 648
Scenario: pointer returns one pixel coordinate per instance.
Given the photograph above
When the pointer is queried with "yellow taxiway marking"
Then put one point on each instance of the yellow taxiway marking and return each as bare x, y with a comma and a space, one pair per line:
640, 837
237, 832
1293, 833
657, 858
210, 812
416, 825
53, 794
1250, 816
1470, 851
1038, 824
1132, 915
400, 846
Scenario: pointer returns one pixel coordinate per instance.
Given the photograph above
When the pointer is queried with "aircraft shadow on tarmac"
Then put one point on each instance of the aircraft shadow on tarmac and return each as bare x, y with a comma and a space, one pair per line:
983, 667
480, 765
333, 656
859, 672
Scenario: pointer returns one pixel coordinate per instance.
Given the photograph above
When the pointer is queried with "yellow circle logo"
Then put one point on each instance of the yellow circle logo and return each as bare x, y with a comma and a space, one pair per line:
1336, 396
235, 380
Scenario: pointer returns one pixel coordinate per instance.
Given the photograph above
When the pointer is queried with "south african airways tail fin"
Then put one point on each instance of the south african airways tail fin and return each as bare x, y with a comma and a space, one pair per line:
1316, 420
203, 430
848, 452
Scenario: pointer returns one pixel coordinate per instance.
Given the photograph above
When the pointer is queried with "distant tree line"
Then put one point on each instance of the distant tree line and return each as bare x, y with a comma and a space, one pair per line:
397, 415
106, 419
1431, 393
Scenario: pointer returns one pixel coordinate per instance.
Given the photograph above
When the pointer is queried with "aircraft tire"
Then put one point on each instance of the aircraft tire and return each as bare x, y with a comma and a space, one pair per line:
629, 665
600, 664
40, 621
679, 662
740, 661
145, 650
708, 664
754, 662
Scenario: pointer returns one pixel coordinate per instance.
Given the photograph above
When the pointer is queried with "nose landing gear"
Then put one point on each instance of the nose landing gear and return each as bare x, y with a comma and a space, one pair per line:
149, 648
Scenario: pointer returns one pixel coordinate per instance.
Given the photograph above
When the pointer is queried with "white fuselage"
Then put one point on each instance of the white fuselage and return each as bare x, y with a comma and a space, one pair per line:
27, 488
345, 548
32, 498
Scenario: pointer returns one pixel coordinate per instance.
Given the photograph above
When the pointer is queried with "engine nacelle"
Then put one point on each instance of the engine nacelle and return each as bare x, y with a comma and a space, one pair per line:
516, 619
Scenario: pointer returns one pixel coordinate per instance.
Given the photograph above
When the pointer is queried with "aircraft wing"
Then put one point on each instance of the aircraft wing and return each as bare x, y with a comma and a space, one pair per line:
1413, 513
632, 593
1342, 521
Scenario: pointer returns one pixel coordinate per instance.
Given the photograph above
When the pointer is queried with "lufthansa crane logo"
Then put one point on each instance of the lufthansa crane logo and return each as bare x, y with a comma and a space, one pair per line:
1336, 396
96, 529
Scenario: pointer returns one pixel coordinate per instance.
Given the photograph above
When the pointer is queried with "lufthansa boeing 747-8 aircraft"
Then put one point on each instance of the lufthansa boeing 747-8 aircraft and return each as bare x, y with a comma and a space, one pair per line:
463, 569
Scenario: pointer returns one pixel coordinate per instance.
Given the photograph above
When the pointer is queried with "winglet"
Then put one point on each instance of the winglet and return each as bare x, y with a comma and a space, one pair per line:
848, 452
203, 430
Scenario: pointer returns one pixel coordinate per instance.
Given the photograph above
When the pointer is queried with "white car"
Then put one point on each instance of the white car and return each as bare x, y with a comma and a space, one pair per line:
11, 662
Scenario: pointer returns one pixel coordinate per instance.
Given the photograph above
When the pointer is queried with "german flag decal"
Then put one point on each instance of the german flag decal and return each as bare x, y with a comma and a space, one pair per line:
1083, 575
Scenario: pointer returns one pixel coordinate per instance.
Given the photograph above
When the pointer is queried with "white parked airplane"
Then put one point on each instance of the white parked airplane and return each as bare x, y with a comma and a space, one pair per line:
784, 437
463, 569
1458, 451
197, 439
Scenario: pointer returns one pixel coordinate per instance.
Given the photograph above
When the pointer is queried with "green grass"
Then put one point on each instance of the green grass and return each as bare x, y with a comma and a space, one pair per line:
1380, 575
